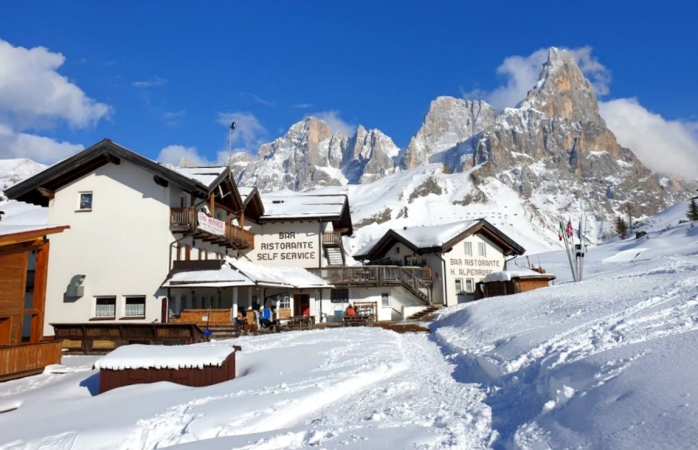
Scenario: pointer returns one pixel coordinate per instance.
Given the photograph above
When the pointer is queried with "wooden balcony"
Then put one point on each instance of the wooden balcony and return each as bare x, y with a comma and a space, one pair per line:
185, 220
417, 280
21, 360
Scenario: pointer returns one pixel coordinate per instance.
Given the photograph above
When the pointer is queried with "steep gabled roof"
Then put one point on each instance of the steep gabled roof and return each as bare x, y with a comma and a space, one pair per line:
289, 205
438, 238
252, 200
39, 188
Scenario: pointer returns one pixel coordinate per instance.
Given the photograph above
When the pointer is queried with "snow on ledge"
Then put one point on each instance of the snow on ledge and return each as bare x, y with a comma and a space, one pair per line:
507, 275
137, 356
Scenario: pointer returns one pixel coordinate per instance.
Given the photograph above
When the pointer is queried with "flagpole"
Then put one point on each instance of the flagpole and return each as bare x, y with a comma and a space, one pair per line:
569, 256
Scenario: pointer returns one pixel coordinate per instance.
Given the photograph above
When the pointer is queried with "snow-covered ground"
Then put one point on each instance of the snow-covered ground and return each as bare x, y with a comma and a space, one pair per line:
606, 363
349, 388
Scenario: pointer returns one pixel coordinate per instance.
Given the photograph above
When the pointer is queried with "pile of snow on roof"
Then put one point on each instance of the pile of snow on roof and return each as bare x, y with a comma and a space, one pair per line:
137, 356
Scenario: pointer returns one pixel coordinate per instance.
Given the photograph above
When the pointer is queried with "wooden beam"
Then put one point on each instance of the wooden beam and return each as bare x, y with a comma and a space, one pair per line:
27, 236
39, 295
212, 202
48, 193
113, 159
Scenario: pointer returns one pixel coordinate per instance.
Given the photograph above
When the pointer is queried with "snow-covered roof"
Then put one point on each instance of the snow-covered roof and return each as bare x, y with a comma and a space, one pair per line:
204, 175
519, 272
289, 204
284, 276
223, 277
245, 192
434, 235
236, 272
20, 217
137, 356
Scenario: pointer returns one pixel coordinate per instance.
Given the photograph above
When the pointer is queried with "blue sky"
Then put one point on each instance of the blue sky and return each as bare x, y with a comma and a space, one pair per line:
166, 72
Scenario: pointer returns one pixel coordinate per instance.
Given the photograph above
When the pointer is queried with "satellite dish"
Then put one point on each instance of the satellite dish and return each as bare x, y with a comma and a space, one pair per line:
232, 126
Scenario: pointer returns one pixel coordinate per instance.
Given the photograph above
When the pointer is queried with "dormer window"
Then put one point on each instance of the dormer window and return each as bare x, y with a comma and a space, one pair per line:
85, 202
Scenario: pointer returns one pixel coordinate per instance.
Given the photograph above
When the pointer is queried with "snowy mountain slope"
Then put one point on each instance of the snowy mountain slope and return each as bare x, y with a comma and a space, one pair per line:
609, 362
12, 171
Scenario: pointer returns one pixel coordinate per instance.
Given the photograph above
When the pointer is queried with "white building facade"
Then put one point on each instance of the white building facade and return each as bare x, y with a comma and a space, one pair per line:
459, 255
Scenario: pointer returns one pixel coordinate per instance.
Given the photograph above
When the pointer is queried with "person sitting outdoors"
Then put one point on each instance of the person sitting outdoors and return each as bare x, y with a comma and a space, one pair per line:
350, 312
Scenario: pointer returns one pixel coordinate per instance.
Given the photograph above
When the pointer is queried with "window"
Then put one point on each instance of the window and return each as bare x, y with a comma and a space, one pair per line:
339, 296
285, 302
459, 286
85, 201
481, 249
469, 285
468, 248
181, 201
385, 300
134, 306
397, 250
105, 307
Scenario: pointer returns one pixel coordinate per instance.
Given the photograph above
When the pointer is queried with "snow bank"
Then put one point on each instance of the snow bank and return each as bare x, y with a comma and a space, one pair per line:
609, 362
138, 356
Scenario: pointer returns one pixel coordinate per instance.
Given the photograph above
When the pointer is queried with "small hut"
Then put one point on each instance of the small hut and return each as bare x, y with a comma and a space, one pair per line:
188, 365
512, 282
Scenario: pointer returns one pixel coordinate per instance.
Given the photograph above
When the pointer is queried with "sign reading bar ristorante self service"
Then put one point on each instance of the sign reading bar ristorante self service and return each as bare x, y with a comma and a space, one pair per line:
290, 246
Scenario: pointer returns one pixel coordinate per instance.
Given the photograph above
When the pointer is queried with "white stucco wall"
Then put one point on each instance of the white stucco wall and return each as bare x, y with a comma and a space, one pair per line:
121, 246
460, 266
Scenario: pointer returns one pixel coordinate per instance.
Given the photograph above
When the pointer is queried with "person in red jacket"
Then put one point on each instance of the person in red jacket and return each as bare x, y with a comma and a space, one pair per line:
350, 312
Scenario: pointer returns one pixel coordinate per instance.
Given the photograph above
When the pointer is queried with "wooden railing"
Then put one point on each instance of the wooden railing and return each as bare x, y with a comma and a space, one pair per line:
27, 359
332, 238
239, 236
184, 220
415, 279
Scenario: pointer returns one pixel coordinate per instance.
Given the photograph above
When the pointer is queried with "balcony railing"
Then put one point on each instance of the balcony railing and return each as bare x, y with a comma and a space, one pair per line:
417, 280
184, 220
332, 238
28, 359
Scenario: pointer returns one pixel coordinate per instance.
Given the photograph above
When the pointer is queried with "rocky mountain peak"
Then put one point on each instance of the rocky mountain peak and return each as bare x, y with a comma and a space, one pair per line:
449, 122
562, 90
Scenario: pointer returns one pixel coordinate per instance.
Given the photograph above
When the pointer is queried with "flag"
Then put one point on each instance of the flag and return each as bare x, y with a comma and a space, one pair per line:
569, 230
561, 232
579, 230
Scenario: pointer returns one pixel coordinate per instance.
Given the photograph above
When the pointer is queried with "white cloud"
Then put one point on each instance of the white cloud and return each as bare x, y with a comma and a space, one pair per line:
249, 133
521, 74
41, 149
302, 106
665, 146
335, 122
174, 154
153, 82
33, 94
258, 99
172, 118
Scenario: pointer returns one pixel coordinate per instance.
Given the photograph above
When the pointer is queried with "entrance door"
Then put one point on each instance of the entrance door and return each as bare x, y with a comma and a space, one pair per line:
301, 302
163, 311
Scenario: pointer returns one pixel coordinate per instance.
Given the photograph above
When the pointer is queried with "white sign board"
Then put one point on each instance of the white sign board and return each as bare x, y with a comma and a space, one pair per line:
211, 225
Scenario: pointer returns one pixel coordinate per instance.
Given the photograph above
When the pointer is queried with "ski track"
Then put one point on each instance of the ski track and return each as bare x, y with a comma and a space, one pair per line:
406, 398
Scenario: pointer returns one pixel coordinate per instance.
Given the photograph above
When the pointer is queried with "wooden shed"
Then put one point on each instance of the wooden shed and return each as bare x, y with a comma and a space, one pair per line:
24, 252
192, 365
512, 282
104, 337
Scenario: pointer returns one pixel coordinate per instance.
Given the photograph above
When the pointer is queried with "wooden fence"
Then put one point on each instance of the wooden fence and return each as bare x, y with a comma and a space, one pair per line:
18, 361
